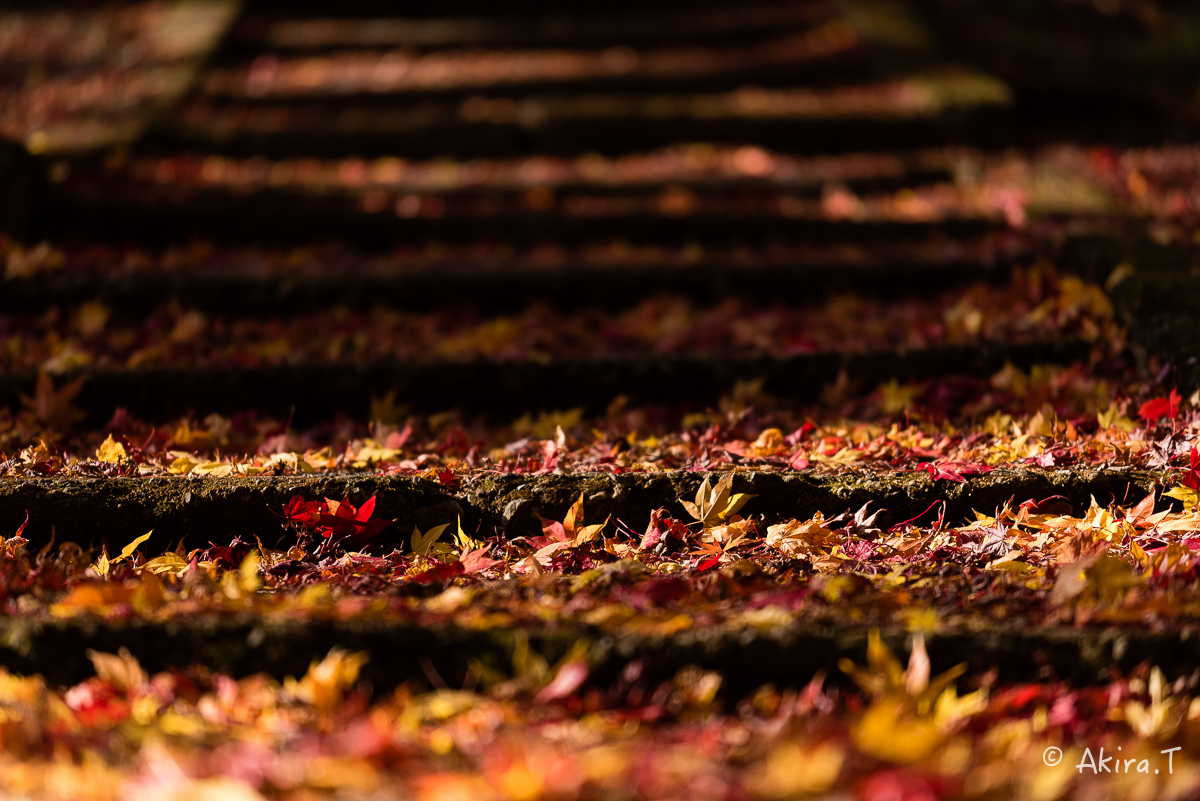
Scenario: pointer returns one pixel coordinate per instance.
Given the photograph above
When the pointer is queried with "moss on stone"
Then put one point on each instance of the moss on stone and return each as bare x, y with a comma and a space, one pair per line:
92, 511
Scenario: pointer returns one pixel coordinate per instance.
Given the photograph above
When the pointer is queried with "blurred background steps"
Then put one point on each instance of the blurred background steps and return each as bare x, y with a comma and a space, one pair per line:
238, 284
781, 152
498, 391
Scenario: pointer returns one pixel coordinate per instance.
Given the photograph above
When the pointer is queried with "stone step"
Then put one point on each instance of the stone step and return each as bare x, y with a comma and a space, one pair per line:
92, 511
504, 390
786, 656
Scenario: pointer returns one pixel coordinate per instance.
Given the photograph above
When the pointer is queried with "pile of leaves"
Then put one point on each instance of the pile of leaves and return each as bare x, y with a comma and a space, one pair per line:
543, 731
879, 730
1098, 183
1038, 305
201, 259
1032, 562
1048, 418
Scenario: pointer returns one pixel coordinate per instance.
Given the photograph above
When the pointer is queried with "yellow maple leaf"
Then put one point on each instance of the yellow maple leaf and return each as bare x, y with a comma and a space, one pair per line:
883, 675
575, 532
171, 563
1189, 496
181, 463
111, 451
128, 550
790, 770
1103, 579
567, 534
885, 731
104, 565
216, 469
421, 543
464, 541
716, 505
326, 681
248, 578
1112, 417
1162, 716
911, 713
121, 669
385, 410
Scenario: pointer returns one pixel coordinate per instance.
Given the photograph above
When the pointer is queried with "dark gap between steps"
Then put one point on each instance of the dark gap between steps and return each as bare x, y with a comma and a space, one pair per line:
746, 659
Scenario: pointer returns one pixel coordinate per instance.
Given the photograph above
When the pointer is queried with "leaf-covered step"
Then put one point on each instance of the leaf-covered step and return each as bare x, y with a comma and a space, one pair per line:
156, 218
823, 52
746, 657
197, 509
921, 111
705, 168
1035, 306
312, 393
494, 282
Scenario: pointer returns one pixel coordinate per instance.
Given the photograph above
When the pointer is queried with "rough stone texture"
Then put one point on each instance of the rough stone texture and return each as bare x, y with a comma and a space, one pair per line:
197, 510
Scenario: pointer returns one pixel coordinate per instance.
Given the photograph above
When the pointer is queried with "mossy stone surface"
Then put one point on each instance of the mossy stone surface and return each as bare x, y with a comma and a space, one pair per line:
112, 511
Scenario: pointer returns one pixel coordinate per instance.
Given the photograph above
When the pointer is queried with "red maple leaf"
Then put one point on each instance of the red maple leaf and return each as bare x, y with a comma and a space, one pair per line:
662, 525
1190, 479
298, 510
448, 480
955, 471
97, 703
1160, 407
345, 521
799, 460
21, 530
440, 573
475, 560
550, 455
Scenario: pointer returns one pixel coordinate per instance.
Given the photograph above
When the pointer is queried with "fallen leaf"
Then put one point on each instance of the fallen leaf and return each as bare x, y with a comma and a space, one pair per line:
111, 451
